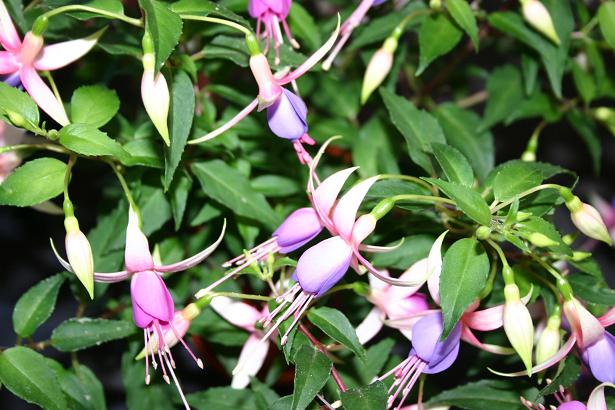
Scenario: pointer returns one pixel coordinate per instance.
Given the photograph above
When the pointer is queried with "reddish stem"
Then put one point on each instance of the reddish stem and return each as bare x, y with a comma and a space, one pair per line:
336, 376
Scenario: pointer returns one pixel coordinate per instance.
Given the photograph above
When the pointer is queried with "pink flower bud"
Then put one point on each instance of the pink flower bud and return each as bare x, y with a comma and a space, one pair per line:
378, 68
587, 219
537, 15
155, 96
518, 325
268, 89
79, 254
585, 326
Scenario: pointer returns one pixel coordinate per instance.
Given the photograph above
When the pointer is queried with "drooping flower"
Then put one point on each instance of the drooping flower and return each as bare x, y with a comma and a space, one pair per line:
154, 90
538, 16
585, 217
78, 250
286, 113
352, 22
153, 306
30, 56
378, 68
518, 325
272, 14
429, 355
254, 351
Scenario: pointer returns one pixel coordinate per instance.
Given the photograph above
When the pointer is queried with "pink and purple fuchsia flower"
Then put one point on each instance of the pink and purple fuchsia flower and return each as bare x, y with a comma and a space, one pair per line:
429, 355
286, 112
25, 59
270, 15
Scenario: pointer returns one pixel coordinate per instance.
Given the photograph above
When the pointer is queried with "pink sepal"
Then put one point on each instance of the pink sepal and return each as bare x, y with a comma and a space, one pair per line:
42, 95
59, 55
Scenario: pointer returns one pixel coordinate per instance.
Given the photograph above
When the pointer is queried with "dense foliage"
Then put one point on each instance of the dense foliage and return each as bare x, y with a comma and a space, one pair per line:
304, 199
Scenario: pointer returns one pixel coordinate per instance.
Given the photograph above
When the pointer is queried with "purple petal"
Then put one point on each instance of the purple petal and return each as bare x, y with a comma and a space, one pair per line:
600, 358
297, 229
323, 265
150, 299
287, 117
427, 345
378, 2
572, 405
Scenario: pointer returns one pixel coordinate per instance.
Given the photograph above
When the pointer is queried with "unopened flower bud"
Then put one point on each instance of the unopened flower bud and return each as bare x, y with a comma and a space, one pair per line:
537, 15
16, 118
549, 340
579, 256
378, 68
156, 98
79, 254
586, 218
540, 240
435, 4
483, 232
518, 325
522, 216
604, 114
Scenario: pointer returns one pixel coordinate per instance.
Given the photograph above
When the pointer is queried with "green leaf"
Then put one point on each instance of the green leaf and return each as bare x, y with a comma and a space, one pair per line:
483, 395
414, 248
464, 16
275, 185
36, 305
337, 326
455, 166
419, 128
311, 373
464, 273
78, 333
514, 178
180, 188
85, 139
589, 289
18, 102
567, 373
303, 26
82, 388
460, 127
467, 200
94, 105
206, 8
229, 187
26, 374
34, 182
372, 151
505, 91
437, 36
182, 113
586, 129
164, 26
539, 225
606, 19
370, 397
111, 6
584, 82
222, 398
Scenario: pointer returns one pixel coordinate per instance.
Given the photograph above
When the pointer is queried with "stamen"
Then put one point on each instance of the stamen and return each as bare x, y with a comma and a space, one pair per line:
160, 340
410, 385
147, 377
394, 369
238, 260
298, 315
408, 374
179, 389
289, 35
198, 361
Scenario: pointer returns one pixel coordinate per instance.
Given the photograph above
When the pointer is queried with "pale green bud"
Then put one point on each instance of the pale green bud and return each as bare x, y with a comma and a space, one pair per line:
518, 325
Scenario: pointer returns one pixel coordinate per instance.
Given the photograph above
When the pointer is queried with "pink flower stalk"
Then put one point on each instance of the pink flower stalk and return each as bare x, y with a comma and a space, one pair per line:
8, 160
352, 22
254, 351
393, 302
27, 57
429, 355
286, 112
271, 14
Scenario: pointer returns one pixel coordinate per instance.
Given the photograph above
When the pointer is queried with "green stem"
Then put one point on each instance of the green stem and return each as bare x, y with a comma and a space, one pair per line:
215, 20
124, 185
416, 180
422, 198
77, 7
524, 194
67, 176
49, 147
54, 88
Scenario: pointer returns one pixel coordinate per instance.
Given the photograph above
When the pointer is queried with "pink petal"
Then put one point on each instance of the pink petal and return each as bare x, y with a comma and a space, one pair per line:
486, 319
230, 124
195, 259
608, 318
469, 337
585, 326
62, 54
414, 274
381, 249
434, 266
313, 59
237, 313
8, 35
8, 64
42, 95
556, 358
137, 256
376, 272
250, 361
325, 195
345, 211
150, 298
370, 326
596, 398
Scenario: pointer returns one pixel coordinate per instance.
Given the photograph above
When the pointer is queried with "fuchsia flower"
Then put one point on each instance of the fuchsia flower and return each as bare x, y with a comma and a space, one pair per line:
272, 14
429, 355
153, 307
254, 351
25, 59
286, 112
352, 22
